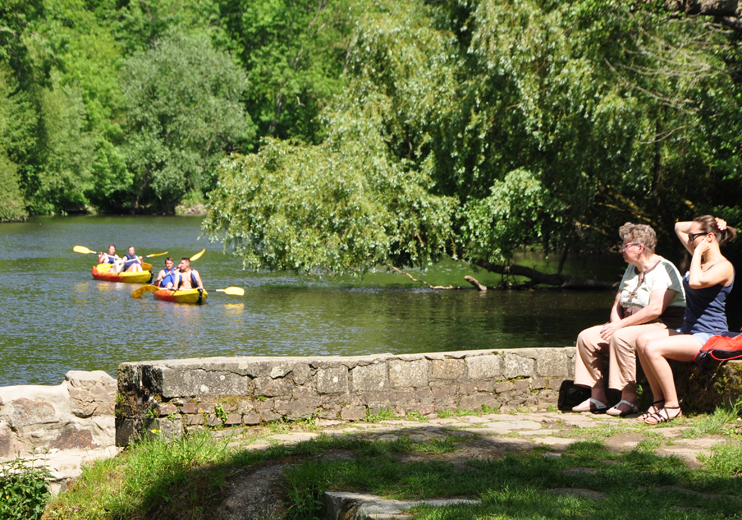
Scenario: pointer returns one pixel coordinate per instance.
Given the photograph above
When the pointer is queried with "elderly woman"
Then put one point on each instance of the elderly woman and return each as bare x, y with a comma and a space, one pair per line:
707, 285
650, 299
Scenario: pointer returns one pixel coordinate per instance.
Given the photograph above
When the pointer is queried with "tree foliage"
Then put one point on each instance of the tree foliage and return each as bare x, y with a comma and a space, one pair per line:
535, 123
183, 108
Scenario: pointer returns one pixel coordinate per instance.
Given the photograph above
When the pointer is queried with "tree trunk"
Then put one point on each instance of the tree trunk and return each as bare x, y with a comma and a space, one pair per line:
564, 281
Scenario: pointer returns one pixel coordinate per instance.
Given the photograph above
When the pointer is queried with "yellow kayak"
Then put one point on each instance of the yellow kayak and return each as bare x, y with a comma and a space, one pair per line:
182, 296
107, 275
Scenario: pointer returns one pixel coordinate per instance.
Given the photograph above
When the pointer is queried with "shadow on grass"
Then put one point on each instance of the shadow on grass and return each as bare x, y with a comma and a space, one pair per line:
195, 477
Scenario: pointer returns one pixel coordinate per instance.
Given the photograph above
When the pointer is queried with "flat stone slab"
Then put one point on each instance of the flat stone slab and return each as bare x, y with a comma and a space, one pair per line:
293, 437
553, 441
514, 425
359, 506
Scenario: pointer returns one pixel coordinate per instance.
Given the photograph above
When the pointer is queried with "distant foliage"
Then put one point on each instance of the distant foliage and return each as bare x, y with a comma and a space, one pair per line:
184, 111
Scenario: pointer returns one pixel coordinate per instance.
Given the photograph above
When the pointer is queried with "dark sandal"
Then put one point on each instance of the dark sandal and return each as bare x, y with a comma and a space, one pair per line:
657, 418
645, 415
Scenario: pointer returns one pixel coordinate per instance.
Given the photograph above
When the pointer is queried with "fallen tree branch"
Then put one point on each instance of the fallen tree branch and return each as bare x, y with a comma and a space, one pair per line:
475, 283
565, 281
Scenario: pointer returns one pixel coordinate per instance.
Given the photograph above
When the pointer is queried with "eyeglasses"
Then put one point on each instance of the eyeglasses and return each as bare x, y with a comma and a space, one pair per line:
693, 236
624, 247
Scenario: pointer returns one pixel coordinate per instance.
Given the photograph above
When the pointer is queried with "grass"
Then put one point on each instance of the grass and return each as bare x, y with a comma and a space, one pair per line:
187, 478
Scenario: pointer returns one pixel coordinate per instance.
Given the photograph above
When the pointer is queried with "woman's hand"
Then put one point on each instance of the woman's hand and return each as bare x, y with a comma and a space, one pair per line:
721, 223
609, 329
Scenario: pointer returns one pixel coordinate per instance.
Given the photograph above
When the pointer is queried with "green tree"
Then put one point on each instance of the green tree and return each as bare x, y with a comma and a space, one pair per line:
183, 110
294, 52
534, 123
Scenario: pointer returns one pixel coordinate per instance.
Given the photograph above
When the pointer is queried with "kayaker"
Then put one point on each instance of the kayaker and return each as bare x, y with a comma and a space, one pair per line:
110, 257
187, 278
166, 277
131, 262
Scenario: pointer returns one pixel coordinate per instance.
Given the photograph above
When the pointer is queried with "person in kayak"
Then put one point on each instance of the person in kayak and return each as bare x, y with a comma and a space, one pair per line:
187, 278
131, 262
166, 277
110, 257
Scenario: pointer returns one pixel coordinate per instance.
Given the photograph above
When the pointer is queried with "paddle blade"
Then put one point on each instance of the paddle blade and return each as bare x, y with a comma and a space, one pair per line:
234, 291
83, 250
136, 293
146, 266
198, 255
156, 254
103, 267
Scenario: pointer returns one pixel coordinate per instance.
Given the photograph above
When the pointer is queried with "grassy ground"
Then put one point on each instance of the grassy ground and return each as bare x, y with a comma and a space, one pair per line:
188, 478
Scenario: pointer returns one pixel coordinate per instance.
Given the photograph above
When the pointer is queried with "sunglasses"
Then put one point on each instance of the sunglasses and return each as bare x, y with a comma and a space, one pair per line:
693, 236
624, 247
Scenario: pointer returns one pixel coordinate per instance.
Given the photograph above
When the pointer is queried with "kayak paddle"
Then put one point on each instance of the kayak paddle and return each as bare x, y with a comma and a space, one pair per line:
156, 254
198, 255
84, 250
234, 291
136, 293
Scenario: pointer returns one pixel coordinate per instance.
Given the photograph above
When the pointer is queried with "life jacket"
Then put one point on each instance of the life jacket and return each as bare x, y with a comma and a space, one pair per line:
168, 278
130, 260
721, 348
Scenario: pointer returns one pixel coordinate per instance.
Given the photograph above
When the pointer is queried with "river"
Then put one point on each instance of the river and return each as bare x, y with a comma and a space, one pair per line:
54, 317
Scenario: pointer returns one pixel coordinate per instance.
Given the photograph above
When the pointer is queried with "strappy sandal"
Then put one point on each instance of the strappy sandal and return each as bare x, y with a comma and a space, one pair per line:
645, 415
657, 418
590, 405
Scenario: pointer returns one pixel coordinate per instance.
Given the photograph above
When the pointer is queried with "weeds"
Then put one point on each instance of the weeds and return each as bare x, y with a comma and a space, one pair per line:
23, 490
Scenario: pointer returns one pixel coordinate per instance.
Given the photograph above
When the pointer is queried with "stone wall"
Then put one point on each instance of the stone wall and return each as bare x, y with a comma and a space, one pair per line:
176, 396
78, 414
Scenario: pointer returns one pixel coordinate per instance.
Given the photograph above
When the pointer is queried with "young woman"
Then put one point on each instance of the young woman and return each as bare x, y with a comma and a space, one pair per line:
707, 285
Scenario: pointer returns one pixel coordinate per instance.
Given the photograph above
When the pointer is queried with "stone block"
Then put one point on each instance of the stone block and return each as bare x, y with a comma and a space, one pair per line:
298, 408
251, 419
32, 411
448, 369
485, 367
233, 419
304, 392
408, 374
205, 408
193, 420
522, 384
126, 429
552, 363
213, 420
269, 387
425, 409
91, 393
518, 366
244, 406
264, 404
171, 429
555, 384
5, 444
475, 402
193, 380
538, 383
301, 373
468, 388
332, 380
370, 378
166, 409
268, 415
188, 408
353, 413
505, 386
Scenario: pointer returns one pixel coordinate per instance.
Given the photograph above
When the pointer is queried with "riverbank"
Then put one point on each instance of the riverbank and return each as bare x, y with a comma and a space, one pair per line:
507, 463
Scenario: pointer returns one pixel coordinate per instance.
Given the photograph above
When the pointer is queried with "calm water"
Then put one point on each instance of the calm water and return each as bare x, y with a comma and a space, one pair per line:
54, 317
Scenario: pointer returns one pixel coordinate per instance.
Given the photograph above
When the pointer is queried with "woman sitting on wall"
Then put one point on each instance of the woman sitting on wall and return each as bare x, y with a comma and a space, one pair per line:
650, 299
707, 285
